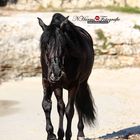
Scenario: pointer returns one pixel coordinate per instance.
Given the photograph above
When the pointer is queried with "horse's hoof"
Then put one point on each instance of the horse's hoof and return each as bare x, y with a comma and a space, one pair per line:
51, 137
80, 138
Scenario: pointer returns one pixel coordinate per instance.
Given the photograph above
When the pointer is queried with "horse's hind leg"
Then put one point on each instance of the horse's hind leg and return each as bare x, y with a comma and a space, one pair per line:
80, 135
61, 110
47, 105
80, 126
85, 108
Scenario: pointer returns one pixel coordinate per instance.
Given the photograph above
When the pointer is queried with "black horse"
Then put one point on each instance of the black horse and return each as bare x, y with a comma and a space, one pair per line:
67, 58
4, 2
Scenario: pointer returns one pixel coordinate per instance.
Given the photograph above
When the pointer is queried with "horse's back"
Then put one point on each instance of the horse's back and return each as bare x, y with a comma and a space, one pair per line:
79, 59
87, 54
79, 68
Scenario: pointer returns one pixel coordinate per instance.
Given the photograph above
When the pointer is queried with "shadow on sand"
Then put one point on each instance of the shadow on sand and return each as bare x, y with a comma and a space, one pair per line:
8, 107
124, 133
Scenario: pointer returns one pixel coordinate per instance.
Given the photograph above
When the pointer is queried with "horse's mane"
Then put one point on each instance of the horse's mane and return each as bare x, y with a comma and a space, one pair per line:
58, 19
75, 35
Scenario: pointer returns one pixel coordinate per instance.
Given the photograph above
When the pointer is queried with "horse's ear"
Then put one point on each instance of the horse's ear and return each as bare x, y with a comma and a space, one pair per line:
42, 24
64, 22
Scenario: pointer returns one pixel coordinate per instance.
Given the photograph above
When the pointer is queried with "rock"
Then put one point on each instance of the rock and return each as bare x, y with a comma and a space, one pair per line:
125, 49
126, 61
70, 4
112, 62
112, 51
20, 53
134, 137
133, 3
19, 50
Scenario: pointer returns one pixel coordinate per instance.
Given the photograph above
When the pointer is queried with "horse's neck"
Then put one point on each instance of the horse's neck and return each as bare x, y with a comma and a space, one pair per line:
74, 35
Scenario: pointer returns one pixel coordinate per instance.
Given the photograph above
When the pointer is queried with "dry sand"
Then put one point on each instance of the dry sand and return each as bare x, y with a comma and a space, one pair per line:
116, 94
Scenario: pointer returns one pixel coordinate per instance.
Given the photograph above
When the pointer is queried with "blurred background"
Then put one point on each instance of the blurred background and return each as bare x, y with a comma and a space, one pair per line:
115, 29
117, 44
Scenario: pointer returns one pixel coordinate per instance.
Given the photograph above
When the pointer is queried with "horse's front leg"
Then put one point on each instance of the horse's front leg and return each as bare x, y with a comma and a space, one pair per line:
70, 110
61, 110
47, 106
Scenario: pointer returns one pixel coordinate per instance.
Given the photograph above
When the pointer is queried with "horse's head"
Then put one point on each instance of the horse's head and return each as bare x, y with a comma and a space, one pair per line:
53, 46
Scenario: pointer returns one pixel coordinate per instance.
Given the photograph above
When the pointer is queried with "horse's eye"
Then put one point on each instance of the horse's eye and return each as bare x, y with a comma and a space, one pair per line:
55, 60
47, 58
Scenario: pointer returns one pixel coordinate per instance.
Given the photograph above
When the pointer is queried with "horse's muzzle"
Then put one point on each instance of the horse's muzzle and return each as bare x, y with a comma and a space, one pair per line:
53, 78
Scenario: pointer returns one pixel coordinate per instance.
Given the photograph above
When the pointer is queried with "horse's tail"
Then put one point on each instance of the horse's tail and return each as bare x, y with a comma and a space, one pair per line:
85, 104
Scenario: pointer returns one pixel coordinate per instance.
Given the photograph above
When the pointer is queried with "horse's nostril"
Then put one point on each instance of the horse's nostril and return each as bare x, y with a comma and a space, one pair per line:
52, 77
60, 73
55, 77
